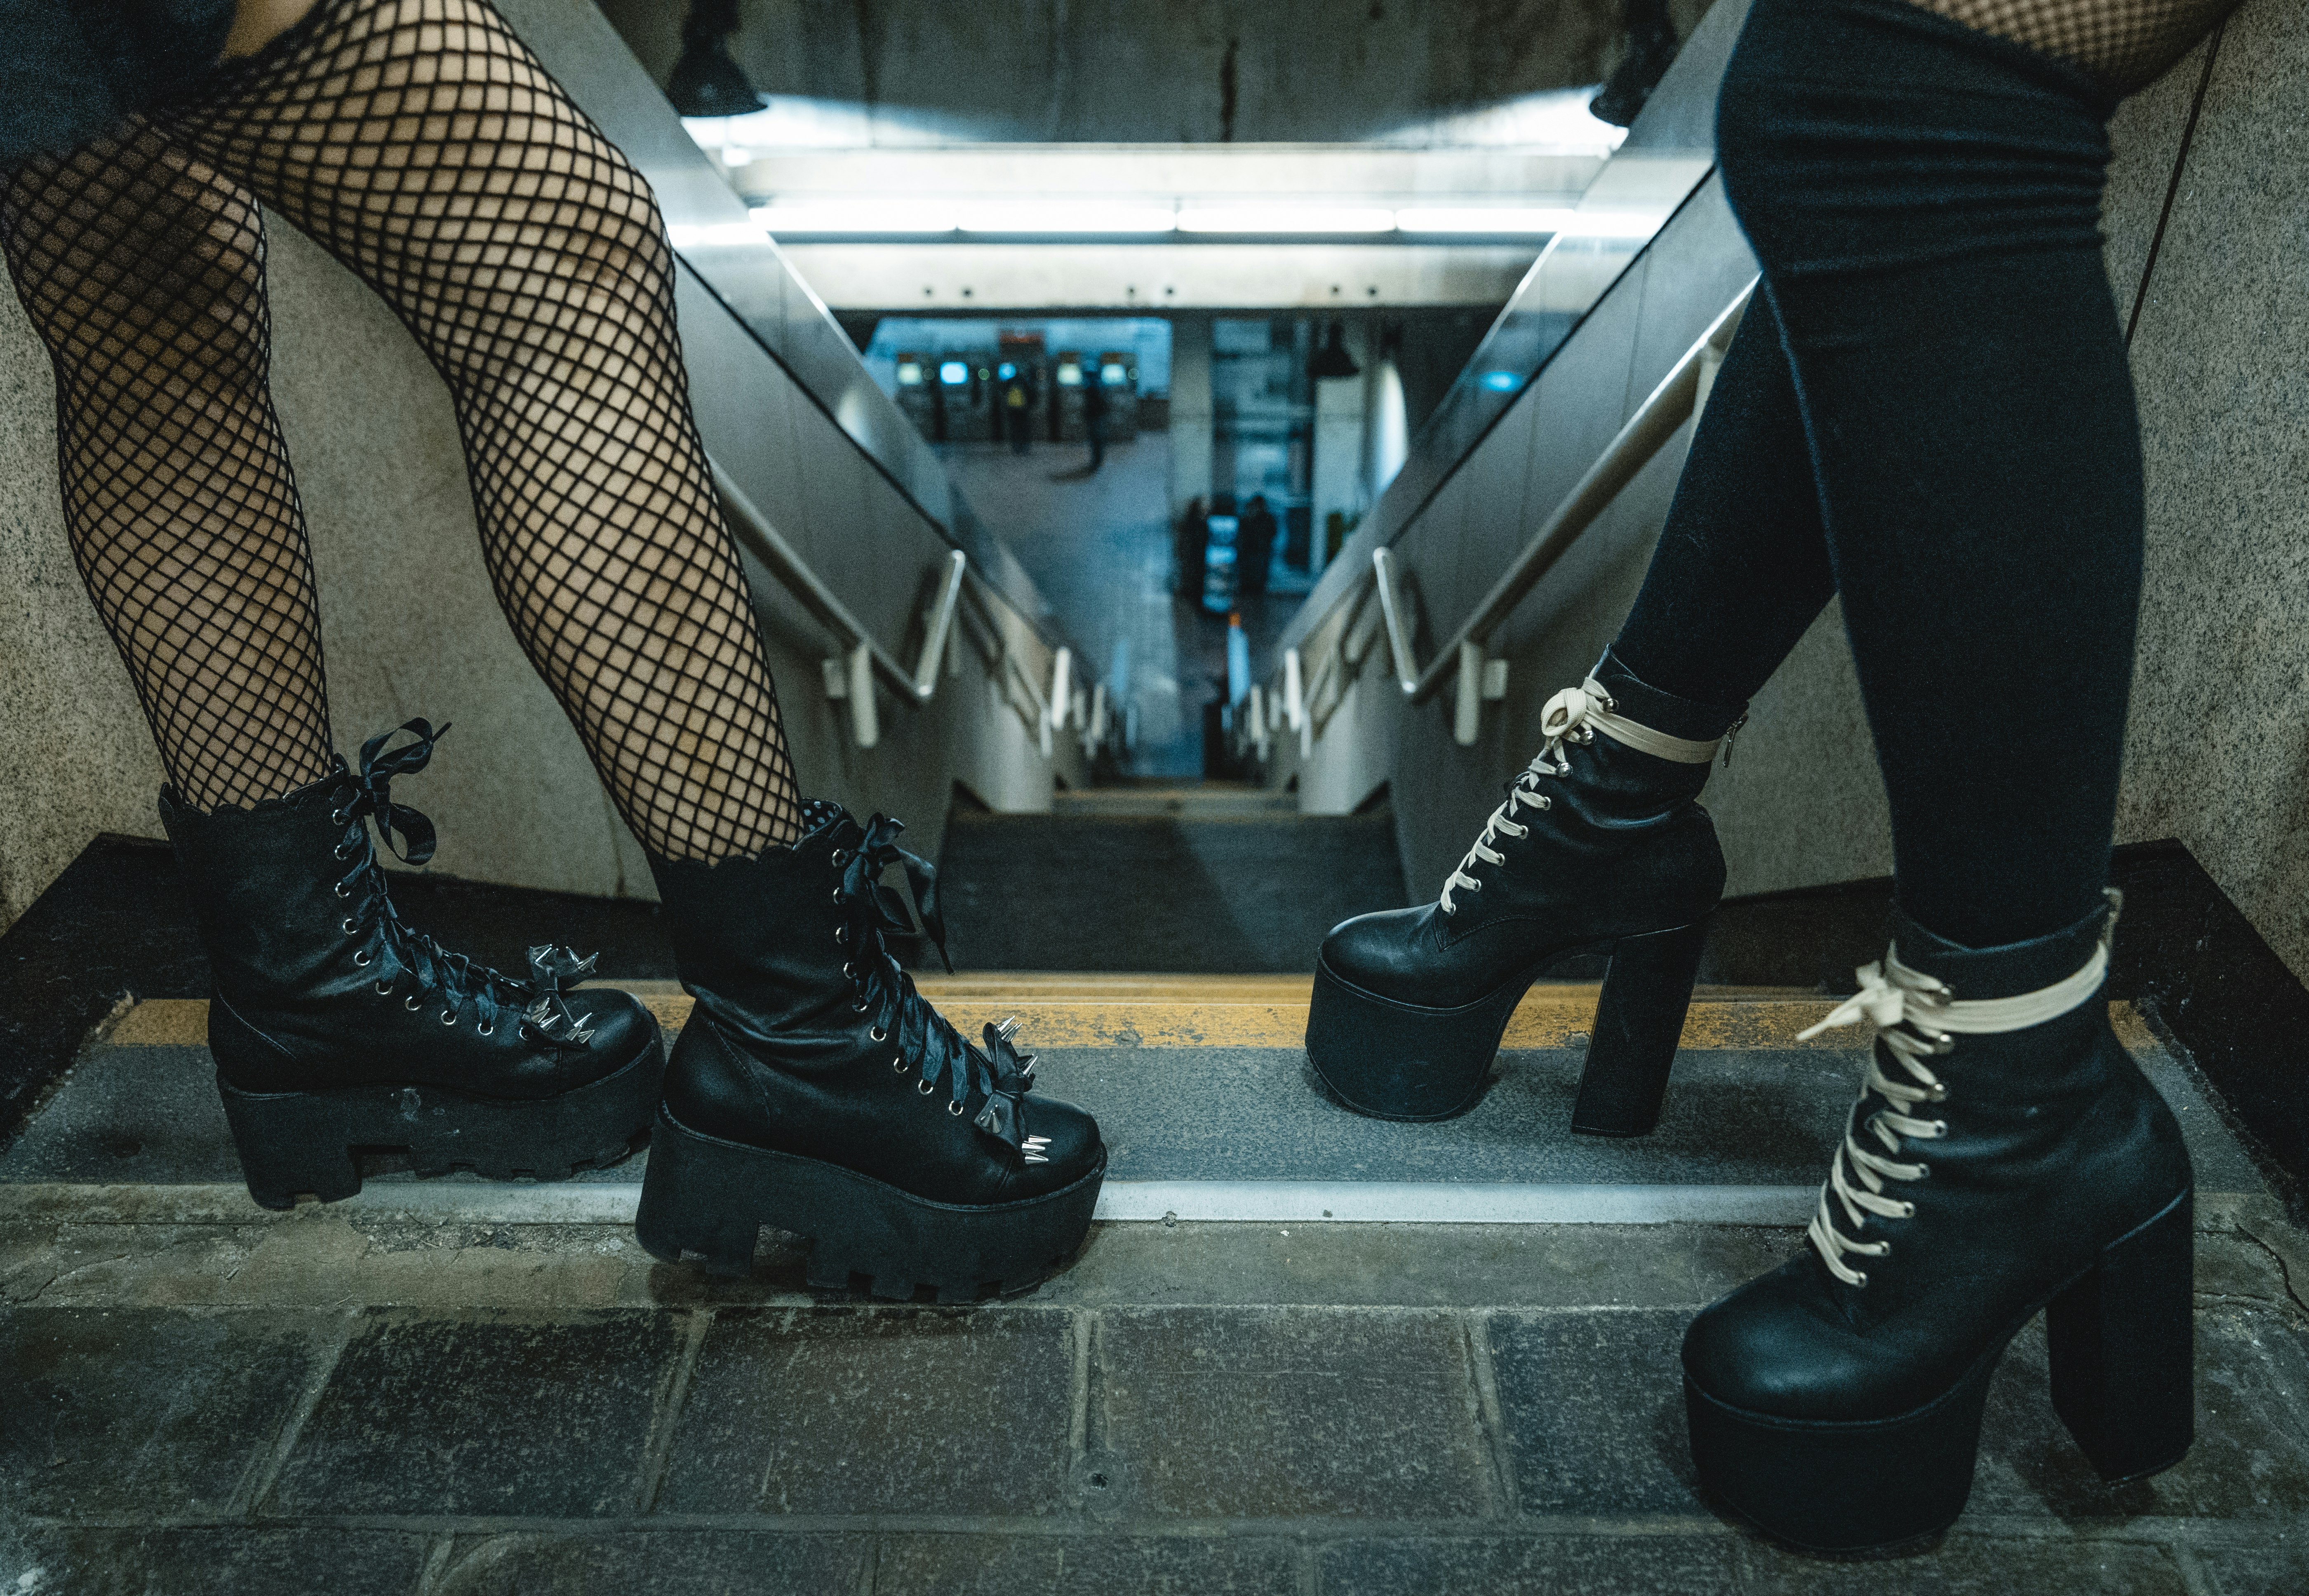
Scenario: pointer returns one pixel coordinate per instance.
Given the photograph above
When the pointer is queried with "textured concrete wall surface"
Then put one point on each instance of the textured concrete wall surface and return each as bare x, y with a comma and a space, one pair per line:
1170, 72
2218, 742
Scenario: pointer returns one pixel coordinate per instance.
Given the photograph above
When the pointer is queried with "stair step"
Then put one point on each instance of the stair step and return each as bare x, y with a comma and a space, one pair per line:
1208, 1111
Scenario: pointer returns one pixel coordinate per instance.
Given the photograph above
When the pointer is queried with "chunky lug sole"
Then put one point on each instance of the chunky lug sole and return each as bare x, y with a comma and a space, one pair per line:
1402, 1061
709, 1197
2123, 1353
306, 1143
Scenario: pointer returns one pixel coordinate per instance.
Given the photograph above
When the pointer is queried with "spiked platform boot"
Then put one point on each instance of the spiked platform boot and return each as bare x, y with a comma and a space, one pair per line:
337, 1026
814, 1090
1599, 848
2006, 1156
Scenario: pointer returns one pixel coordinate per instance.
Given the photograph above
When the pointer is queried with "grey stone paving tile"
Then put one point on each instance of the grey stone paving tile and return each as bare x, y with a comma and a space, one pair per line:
670, 1562
1724, 1561
843, 1410
211, 1562
2249, 1460
1070, 1566
484, 1413
2279, 1565
1280, 1413
145, 1410
1593, 1404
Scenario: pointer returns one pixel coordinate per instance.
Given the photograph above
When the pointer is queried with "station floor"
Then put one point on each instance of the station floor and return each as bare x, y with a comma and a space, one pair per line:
1099, 546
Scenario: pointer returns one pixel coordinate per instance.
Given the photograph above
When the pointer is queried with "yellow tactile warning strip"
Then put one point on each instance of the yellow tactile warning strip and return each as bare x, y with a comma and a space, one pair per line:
1209, 1012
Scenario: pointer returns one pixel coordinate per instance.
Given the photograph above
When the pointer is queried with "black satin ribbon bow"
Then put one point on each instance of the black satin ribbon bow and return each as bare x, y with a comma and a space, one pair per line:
1004, 1116
861, 882
375, 785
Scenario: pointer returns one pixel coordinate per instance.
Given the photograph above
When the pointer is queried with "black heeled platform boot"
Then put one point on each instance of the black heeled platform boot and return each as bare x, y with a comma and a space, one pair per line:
2006, 1156
1599, 848
814, 1090
335, 1026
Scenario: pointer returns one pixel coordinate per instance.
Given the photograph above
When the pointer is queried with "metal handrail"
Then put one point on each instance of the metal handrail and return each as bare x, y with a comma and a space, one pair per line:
1677, 397
1665, 410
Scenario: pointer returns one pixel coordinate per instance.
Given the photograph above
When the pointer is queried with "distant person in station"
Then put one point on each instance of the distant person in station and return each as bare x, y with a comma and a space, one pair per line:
1095, 406
1192, 549
1018, 408
814, 1089
1255, 548
1927, 414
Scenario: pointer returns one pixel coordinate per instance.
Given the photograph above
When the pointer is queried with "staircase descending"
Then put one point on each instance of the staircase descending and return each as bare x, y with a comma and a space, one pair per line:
1302, 1351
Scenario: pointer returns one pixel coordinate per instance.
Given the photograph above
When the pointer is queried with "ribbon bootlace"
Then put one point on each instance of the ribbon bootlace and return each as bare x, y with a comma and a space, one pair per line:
398, 949
999, 1073
1915, 1018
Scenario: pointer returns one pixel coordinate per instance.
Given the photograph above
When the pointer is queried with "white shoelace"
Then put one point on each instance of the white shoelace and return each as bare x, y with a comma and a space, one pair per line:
1574, 715
1915, 1017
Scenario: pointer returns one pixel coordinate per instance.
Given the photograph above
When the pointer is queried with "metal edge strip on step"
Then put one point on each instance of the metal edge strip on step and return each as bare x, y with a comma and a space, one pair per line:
1255, 1202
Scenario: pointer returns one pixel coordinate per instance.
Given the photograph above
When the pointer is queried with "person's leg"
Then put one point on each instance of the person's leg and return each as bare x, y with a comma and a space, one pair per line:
422, 143
1925, 199
813, 1088
1742, 566
143, 272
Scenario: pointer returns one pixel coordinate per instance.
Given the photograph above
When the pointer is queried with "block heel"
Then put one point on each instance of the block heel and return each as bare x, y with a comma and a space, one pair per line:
2122, 1343
1393, 1060
306, 1143
708, 1197
1638, 1022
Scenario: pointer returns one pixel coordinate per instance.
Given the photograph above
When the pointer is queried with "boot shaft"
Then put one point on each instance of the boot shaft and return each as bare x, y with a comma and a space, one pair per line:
270, 885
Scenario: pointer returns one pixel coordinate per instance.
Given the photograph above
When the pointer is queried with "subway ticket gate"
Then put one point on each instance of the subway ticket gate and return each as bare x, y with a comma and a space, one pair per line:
916, 397
965, 400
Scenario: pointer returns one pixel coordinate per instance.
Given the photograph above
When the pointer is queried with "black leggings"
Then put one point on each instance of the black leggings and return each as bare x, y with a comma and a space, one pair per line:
1927, 411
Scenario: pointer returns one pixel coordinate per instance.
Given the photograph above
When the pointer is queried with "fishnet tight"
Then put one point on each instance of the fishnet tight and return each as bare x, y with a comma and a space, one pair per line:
422, 145
2124, 43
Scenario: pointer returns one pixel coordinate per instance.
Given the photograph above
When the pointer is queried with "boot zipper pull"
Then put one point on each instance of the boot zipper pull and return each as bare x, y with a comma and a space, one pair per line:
1732, 732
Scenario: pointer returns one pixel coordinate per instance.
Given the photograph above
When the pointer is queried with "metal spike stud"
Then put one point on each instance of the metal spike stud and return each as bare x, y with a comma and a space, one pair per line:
1007, 1028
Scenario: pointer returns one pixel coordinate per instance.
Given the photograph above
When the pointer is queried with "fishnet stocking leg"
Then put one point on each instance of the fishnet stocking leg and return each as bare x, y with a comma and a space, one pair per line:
423, 145
143, 272
2125, 43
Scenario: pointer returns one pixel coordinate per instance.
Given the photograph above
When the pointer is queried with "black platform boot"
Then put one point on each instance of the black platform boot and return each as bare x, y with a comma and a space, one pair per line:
2006, 1156
815, 1092
335, 1026
1599, 848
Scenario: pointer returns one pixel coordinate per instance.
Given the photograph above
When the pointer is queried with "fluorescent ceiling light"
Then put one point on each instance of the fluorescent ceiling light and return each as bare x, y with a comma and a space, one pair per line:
1486, 219
1285, 219
715, 234
897, 217
1061, 217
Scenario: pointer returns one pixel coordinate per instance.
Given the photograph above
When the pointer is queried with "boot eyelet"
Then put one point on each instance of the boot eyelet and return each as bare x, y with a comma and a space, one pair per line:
898, 1064
448, 1016
384, 988
340, 817
839, 858
489, 1030
841, 935
1940, 1129
340, 890
953, 1107
850, 969
860, 1007
837, 894
924, 1087
410, 1003
877, 1034
360, 960
347, 926
341, 853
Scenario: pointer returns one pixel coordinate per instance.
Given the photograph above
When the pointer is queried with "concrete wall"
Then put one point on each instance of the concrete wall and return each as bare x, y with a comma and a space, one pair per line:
2218, 744
1157, 71
409, 621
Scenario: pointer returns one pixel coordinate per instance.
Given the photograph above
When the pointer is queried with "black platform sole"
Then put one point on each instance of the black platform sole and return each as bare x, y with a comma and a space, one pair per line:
707, 1196
306, 1143
1394, 1060
2121, 1341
